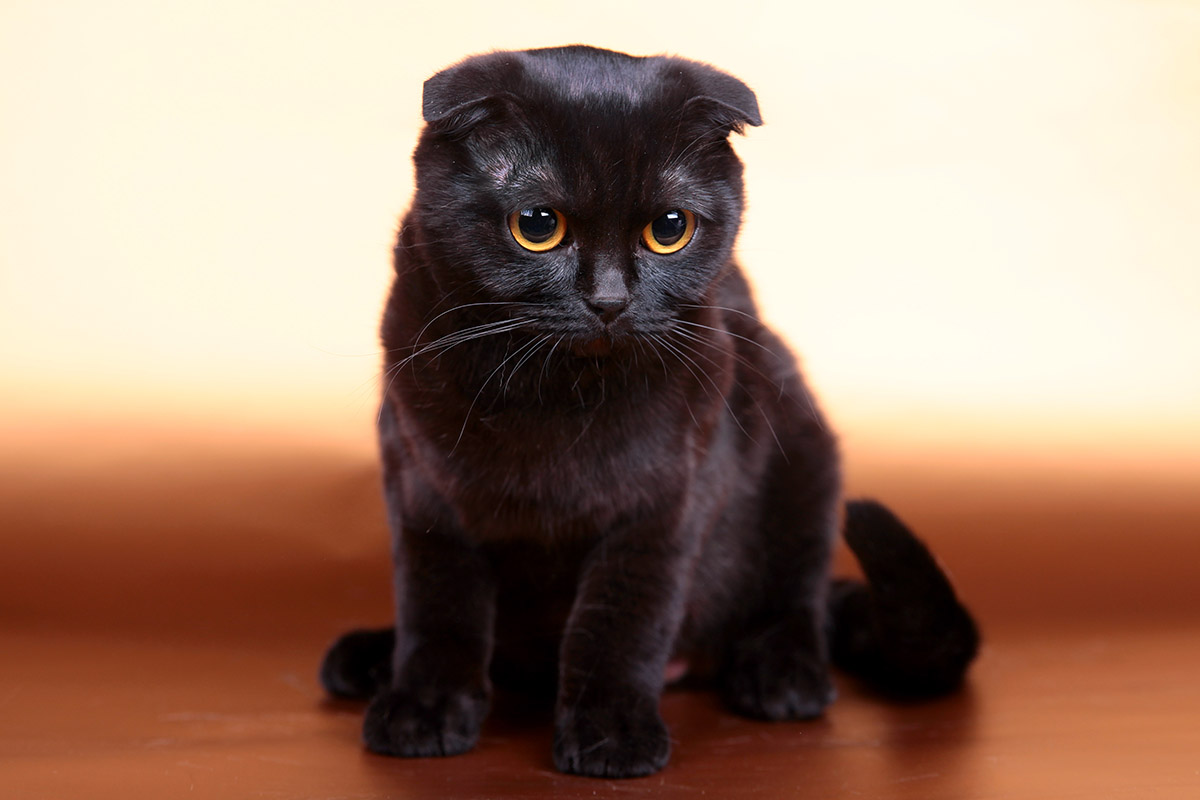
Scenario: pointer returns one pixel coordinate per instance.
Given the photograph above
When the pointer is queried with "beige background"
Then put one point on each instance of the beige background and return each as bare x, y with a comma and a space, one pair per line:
978, 222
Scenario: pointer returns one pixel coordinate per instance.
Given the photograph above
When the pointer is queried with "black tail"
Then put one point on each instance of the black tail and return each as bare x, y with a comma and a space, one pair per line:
904, 631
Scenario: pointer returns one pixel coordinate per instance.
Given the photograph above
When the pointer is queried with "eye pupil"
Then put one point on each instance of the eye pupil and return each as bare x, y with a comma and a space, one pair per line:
537, 224
670, 232
539, 229
669, 228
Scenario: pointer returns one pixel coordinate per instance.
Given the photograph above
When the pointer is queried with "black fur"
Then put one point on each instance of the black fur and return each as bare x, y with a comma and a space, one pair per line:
577, 496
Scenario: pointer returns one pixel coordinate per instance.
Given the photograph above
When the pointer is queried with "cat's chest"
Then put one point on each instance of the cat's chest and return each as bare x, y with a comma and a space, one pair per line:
534, 470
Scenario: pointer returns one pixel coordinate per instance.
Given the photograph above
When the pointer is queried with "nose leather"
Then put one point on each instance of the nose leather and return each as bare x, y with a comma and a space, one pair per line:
610, 293
608, 308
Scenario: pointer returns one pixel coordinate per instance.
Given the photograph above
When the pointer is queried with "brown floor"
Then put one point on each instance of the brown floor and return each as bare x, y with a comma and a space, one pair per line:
163, 608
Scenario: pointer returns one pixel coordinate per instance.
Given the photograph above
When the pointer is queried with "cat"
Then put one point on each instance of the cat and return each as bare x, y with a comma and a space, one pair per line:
600, 468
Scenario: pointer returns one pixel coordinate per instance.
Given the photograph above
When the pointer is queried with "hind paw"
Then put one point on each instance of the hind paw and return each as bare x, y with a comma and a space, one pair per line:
358, 664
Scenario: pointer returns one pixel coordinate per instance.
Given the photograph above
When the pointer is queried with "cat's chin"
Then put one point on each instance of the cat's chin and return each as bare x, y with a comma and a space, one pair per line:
598, 347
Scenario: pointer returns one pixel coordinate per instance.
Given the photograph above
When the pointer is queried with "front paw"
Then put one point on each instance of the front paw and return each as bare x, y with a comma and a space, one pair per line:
620, 740
424, 722
777, 684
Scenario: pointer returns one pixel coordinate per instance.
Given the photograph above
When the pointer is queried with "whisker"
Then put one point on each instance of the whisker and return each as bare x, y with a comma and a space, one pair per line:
537, 345
666, 372
747, 392
745, 339
483, 386
742, 360
781, 384
662, 344
687, 360
445, 343
460, 307
542, 372
465, 335
720, 394
724, 308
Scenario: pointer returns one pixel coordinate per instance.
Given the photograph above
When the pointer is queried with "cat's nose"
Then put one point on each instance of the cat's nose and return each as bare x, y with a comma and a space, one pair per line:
608, 308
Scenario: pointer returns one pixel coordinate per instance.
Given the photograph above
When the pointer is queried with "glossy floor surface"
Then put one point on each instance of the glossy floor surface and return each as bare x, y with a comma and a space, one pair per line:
162, 615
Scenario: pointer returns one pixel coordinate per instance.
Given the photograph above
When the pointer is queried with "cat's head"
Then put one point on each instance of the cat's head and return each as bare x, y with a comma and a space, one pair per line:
595, 191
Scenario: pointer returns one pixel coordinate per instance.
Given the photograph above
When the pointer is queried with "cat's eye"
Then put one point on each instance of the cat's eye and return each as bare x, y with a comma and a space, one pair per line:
538, 229
670, 232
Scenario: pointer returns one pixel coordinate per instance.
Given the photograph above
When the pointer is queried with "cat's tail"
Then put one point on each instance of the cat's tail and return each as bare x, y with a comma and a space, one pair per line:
903, 631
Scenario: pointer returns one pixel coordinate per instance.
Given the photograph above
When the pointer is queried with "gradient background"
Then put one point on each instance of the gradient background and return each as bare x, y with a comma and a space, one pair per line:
979, 224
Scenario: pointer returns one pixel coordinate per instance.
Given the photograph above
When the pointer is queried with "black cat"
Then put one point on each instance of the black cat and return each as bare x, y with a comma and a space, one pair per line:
599, 465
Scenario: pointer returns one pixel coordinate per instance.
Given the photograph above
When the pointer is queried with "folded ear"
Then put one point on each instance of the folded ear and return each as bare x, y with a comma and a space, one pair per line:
460, 97
457, 99
725, 99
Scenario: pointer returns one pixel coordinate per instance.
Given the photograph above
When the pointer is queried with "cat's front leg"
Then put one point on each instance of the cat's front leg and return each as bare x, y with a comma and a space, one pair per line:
777, 666
616, 644
439, 691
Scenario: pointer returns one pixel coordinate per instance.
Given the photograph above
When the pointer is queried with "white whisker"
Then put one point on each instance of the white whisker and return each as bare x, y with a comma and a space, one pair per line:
720, 394
483, 386
745, 339
447, 342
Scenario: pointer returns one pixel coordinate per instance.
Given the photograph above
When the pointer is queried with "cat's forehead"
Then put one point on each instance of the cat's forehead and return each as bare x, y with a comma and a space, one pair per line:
589, 161
591, 78
592, 185
593, 121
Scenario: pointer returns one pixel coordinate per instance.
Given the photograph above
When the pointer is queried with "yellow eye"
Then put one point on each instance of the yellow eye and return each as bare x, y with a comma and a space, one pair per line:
538, 229
670, 232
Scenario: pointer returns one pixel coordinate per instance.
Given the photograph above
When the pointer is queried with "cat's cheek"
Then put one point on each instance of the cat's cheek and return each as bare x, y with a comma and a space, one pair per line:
560, 272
